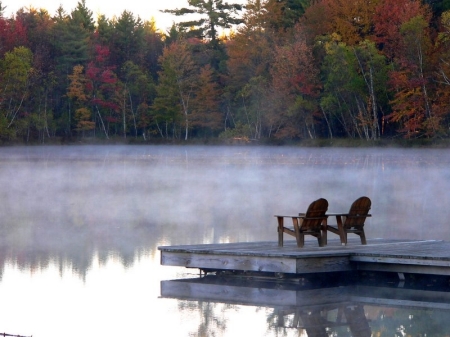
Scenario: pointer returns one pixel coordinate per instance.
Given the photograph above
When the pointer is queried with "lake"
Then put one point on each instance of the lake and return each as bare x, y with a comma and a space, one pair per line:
81, 226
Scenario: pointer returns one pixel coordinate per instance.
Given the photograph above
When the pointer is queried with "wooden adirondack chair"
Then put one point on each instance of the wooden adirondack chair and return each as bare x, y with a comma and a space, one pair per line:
353, 221
313, 222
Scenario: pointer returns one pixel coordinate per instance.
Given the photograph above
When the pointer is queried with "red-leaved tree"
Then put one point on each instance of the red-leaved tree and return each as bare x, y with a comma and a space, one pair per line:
104, 89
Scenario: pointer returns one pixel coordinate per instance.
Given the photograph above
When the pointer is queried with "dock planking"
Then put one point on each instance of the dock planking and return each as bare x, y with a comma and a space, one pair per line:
400, 256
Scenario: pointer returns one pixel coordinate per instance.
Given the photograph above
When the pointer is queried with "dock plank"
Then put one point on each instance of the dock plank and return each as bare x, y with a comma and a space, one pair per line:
403, 256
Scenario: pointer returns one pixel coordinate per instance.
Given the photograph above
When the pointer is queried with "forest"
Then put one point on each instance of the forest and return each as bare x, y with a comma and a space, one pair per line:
267, 70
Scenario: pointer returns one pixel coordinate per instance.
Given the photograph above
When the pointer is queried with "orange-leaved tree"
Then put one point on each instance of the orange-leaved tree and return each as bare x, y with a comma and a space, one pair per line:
206, 117
250, 54
352, 20
412, 104
296, 84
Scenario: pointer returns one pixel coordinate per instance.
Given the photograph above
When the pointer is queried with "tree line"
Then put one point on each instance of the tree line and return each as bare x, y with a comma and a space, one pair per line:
269, 69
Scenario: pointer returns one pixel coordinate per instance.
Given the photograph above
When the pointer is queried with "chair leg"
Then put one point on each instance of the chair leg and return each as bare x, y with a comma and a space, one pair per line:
300, 237
280, 230
363, 237
320, 239
301, 240
342, 234
324, 233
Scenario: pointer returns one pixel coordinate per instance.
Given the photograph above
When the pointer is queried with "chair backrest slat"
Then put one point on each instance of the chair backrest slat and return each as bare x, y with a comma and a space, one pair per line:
315, 215
358, 212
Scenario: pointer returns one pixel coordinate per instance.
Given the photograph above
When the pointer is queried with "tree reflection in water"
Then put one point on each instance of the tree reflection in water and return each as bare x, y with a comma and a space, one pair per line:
212, 320
369, 307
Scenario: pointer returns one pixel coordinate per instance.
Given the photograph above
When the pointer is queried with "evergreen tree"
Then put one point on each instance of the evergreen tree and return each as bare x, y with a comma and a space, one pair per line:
152, 49
105, 30
127, 39
213, 14
71, 36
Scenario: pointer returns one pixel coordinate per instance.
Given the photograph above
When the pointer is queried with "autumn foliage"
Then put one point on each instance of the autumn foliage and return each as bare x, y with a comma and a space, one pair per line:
288, 69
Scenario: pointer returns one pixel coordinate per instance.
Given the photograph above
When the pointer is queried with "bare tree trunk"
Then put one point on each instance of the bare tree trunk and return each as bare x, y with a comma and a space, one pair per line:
45, 116
370, 87
246, 113
124, 110
428, 108
16, 111
309, 131
101, 120
326, 120
375, 125
363, 118
159, 129
133, 114
185, 105
343, 119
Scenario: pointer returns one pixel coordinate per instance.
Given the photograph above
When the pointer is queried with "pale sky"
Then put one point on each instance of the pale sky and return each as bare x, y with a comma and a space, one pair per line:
145, 9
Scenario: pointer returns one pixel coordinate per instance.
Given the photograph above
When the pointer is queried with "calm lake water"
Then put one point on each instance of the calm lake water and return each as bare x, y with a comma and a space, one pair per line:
81, 226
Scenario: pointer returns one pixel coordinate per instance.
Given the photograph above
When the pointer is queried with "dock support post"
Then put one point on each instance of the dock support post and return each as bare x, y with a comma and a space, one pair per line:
401, 278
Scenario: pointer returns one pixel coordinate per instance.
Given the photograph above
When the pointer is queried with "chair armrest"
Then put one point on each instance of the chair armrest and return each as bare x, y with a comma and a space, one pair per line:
301, 217
349, 215
287, 216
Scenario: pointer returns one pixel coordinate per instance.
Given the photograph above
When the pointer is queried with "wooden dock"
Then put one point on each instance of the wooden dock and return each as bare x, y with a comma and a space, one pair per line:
399, 256
294, 294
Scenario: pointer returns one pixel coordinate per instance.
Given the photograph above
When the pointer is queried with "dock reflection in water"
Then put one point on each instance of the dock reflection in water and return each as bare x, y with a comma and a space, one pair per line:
376, 305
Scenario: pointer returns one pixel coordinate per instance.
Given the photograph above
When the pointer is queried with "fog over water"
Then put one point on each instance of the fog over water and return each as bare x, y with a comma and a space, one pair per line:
80, 219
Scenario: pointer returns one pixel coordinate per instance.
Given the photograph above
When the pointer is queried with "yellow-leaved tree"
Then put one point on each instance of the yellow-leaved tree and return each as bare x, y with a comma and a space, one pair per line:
77, 93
